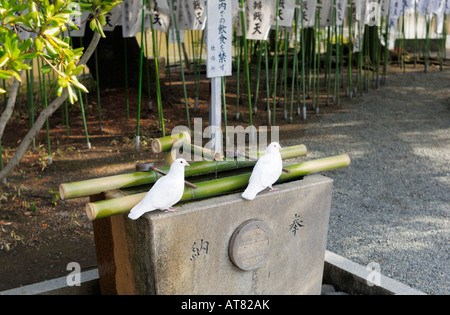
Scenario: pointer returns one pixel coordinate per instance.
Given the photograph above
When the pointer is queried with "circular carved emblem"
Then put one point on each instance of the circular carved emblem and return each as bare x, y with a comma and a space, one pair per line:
250, 244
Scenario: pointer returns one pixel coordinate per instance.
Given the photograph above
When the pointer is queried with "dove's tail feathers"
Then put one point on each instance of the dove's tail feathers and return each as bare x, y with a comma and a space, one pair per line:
251, 192
138, 211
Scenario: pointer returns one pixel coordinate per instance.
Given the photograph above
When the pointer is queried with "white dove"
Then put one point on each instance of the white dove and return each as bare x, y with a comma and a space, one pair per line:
166, 192
266, 172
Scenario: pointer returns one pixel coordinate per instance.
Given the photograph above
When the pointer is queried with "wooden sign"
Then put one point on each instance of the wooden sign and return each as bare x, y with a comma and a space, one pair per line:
218, 38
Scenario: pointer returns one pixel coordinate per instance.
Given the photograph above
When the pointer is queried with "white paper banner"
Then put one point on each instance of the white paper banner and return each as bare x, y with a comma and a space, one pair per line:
309, 10
219, 38
259, 15
194, 14
326, 13
113, 18
341, 8
423, 6
131, 17
81, 26
286, 12
160, 11
384, 7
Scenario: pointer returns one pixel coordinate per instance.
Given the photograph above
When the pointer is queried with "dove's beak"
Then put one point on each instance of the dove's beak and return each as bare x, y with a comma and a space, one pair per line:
187, 164
280, 148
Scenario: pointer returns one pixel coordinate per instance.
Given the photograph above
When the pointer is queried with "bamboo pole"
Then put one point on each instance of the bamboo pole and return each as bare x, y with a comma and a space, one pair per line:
98, 185
177, 33
98, 92
247, 70
141, 60
105, 208
165, 144
269, 121
126, 76
197, 150
303, 67
158, 86
275, 65
295, 66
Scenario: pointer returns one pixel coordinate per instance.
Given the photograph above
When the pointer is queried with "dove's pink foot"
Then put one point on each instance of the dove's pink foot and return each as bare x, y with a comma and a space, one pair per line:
274, 189
171, 210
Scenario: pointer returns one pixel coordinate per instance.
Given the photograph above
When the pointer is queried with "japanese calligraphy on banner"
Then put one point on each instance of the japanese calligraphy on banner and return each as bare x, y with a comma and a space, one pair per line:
113, 18
194, 14
259, 16
309, 10
131, 17
326, 13
384, 7
81, 26
218, 38
286, 12
341, 7
160, 12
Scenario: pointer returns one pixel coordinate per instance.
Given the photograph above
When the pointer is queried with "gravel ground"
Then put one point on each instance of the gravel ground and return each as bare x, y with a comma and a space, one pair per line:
392, 205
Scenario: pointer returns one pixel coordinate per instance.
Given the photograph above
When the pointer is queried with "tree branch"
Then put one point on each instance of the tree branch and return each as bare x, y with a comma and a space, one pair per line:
46, 113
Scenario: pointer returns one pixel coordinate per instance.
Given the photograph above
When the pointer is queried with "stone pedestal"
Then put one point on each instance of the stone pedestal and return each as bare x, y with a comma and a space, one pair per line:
274, 244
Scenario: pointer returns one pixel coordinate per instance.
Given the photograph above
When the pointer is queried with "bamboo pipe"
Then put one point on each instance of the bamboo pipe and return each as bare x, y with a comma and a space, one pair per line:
197, 150
99, 185
105, 208
165, 144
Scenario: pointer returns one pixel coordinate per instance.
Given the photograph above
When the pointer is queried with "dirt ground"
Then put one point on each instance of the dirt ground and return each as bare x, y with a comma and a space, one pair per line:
39, 233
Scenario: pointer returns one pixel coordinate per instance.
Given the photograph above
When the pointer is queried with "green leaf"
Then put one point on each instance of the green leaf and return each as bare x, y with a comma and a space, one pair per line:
4, 60
30, 55
5, 74
46, 69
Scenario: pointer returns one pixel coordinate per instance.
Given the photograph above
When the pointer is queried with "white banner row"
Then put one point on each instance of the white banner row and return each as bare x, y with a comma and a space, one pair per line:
260, 15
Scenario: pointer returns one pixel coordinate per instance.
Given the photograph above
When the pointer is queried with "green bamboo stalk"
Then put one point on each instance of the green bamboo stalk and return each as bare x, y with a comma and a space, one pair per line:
98, 92
47, 125
181, 66
295, 66
275, 65
247, 70
258, 76
126, 77
30, 91
98, 185
238, 76
141, 61
224, 102
328, 61
147, 70
266, 52
427, 44
336, 86
350, 53
168, 60
105, 208
158, 84
164, 144
285, 60
303, 67
83, 115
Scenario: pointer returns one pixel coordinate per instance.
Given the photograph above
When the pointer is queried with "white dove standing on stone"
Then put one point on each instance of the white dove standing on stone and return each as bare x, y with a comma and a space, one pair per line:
266, 172
166, 192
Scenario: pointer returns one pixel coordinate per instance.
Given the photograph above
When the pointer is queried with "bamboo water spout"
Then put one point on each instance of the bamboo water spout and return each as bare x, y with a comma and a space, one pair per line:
105, 208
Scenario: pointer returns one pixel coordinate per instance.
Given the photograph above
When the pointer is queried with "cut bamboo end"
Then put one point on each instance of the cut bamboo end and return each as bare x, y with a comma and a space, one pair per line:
62, 192
91, 212
165, 143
